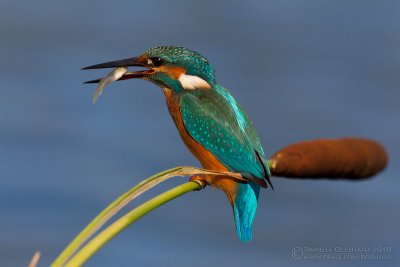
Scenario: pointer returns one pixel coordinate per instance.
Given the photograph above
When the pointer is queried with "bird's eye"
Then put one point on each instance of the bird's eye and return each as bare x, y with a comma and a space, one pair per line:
157, 61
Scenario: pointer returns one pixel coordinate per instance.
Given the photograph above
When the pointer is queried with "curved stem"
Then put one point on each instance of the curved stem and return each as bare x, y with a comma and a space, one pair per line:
123, 200
118, 226
100, 219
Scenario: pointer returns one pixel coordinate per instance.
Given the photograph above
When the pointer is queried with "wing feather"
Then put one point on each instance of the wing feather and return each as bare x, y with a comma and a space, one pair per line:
212, 119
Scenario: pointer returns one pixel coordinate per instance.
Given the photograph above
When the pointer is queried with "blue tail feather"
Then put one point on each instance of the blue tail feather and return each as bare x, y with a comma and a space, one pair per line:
244, 209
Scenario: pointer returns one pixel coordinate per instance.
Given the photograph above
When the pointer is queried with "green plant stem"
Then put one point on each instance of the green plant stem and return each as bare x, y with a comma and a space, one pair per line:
114, 229
100, 219
123, 200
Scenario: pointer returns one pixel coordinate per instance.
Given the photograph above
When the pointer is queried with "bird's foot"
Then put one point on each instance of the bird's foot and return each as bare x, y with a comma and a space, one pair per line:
200, 180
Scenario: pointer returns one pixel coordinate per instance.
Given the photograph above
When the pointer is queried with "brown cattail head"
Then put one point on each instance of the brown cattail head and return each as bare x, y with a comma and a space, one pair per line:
347, 158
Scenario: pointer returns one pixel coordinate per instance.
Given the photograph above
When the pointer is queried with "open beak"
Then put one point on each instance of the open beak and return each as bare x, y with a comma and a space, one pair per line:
135, 61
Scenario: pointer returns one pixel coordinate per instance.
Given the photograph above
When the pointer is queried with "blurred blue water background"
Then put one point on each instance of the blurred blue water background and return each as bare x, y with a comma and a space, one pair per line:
301, 69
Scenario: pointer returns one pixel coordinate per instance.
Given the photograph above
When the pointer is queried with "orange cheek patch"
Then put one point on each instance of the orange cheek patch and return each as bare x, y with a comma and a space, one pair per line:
173, 71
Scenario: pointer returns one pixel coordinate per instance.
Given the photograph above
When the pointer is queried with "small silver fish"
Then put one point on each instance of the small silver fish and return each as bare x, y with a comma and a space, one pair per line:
114, 75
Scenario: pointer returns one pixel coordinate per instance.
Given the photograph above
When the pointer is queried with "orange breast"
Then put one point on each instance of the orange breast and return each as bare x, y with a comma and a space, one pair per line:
206, 158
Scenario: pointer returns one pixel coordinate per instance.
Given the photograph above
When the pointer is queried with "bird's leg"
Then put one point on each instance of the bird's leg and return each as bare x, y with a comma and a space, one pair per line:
201, 180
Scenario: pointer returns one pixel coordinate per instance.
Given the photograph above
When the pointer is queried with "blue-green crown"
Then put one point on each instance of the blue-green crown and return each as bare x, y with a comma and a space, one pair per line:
191, 61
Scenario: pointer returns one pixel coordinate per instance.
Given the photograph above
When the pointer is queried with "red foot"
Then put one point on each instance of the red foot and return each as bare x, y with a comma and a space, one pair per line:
202, 180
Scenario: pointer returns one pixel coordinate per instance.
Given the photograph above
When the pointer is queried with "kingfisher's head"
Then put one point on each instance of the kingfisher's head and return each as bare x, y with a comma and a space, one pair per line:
172, 67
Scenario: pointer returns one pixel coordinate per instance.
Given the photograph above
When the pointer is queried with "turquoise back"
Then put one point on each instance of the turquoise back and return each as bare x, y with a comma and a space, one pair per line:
215, 120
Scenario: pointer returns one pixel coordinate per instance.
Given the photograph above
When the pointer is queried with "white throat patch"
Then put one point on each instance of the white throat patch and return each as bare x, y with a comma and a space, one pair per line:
192, 82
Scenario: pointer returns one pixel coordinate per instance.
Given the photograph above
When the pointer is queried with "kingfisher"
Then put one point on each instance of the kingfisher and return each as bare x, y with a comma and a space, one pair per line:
211, 123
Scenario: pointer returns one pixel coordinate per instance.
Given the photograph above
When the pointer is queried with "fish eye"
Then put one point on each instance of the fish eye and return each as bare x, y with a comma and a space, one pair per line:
156, 61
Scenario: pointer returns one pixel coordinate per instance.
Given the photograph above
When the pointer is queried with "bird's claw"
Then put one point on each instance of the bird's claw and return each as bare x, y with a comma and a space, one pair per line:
200, 180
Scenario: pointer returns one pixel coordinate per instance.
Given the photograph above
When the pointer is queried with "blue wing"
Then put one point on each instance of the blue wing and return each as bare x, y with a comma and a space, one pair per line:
215, 120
